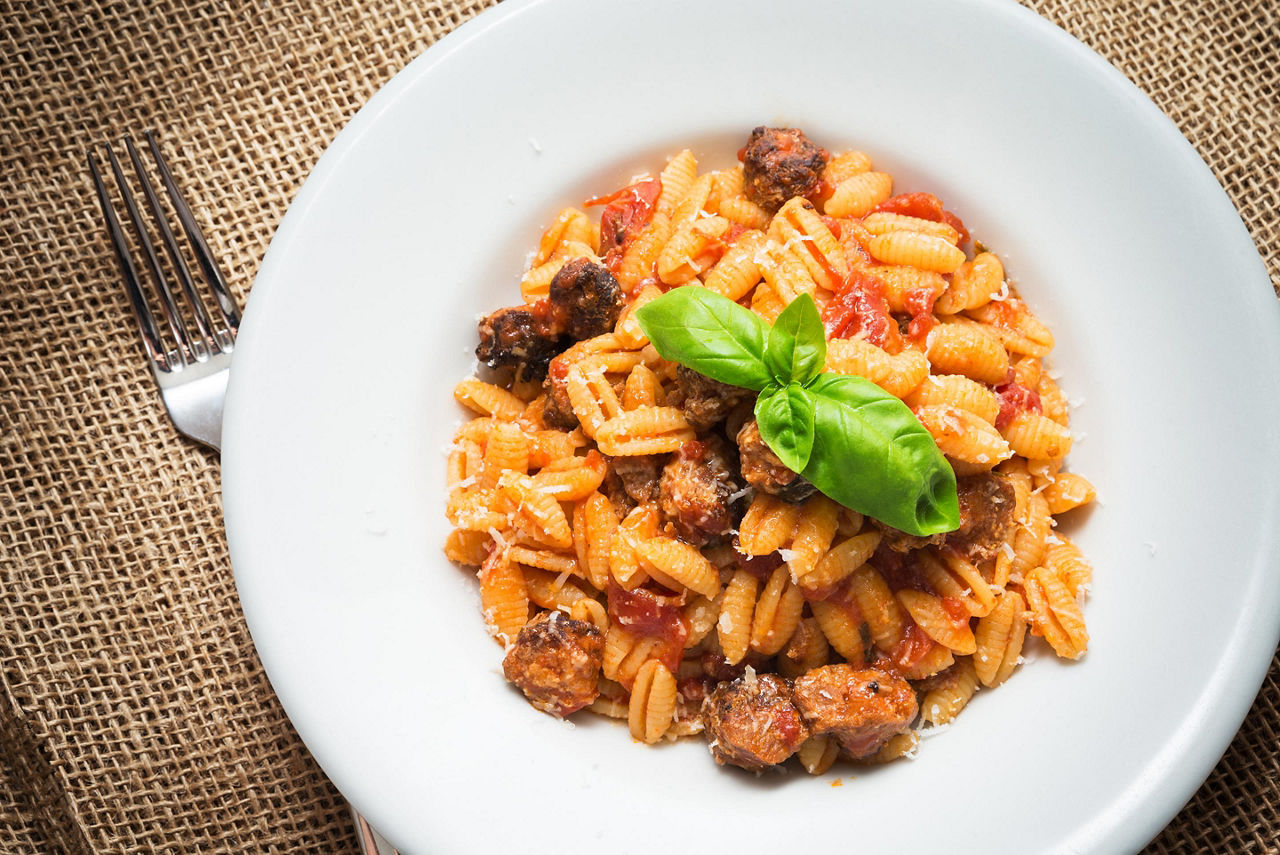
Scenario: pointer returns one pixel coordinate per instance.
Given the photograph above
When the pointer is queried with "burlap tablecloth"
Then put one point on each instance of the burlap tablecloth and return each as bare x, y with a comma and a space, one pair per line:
134, 713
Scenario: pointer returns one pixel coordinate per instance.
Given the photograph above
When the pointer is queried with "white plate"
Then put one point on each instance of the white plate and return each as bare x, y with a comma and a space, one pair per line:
419, 217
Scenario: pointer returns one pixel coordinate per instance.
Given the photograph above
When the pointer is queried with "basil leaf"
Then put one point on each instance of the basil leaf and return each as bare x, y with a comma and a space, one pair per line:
797, 345
710, 334
872, 455
785, 416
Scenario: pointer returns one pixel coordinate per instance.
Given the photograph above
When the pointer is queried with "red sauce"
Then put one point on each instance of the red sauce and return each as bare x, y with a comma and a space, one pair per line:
912, 647
760, 566
1015, 398
695, 689
925, 206
788, 725
860, 309
1002, 313
919, 305
899, 571
820, 193
626, 213
955, 610
651, 615
833, 225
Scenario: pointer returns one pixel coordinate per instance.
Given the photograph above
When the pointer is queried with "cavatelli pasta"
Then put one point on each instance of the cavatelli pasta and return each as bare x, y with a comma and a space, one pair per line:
606, 506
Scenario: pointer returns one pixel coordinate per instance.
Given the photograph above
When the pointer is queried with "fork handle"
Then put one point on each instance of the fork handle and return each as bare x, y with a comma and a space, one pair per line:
371, 842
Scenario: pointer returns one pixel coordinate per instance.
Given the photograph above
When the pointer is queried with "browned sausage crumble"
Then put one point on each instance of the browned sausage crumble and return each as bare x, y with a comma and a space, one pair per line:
584, 301
862, 708
779, 163
555, 661
753, 722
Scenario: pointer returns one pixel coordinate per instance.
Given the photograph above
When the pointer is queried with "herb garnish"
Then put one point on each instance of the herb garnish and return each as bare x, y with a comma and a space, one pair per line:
855, 442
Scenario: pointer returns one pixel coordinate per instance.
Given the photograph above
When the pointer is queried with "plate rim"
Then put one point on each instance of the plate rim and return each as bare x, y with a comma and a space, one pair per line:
387, 96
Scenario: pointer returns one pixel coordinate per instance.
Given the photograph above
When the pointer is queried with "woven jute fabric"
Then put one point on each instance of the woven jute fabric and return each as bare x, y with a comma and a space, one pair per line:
134, 713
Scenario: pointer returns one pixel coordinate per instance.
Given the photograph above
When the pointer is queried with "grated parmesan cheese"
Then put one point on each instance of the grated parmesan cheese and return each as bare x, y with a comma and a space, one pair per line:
533, 143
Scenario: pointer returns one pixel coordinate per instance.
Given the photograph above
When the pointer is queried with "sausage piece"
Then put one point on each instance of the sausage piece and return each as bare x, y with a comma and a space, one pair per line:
518, 336
752, 722
986, 516
696, 490
986, 520
779, 163
585, 300
862, 707
640, 475
765, 471
705, 401
555, 661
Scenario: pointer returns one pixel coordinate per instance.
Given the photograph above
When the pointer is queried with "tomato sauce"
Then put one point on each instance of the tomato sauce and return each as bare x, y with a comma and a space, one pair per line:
1015, 398
919, 303
760, 566
924, 206
914, 645
956, 610
860, 309
626, 213
651, 615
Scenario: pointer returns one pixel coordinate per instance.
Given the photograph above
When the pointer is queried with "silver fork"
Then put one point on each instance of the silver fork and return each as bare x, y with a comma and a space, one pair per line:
192, 363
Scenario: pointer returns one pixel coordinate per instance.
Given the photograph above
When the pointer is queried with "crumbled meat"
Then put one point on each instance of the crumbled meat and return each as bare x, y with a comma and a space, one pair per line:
719, 669
616, 491
706, 402
585, 300
557, 409
986, 516
640, 475
779, 163
518, 336
986, 520
805, 643
696, 489
752, 723
764, 471
862, 707
555, 661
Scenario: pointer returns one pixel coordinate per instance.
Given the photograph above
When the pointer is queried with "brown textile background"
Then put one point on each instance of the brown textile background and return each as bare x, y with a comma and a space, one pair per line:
134, 714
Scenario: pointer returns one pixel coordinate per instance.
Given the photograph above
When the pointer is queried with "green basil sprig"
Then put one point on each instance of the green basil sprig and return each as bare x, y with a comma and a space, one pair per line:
852, 440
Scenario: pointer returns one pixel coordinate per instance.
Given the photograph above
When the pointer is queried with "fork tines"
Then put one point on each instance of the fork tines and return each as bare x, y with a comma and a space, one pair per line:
192, 329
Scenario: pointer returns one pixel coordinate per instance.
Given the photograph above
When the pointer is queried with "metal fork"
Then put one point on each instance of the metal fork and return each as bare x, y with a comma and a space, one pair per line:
192, 363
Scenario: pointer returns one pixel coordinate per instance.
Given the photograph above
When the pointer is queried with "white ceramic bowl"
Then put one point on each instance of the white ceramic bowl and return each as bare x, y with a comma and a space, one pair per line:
419, 217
